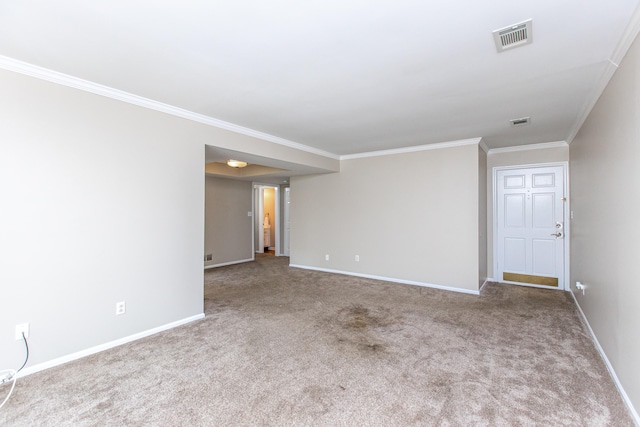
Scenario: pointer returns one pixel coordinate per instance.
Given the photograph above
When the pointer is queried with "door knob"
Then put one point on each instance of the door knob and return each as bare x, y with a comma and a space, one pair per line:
558, 234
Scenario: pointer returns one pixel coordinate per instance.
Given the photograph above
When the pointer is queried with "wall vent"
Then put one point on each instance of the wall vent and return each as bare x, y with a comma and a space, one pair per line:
513, 36
521, 121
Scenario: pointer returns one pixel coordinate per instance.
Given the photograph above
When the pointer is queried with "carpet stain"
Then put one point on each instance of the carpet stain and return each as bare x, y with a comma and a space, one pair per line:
363, 345
525, 316
358, 317
358, 328
357, 323
372, 348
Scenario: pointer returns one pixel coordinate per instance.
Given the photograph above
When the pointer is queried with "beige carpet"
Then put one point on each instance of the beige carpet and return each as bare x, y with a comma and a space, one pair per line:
289, 347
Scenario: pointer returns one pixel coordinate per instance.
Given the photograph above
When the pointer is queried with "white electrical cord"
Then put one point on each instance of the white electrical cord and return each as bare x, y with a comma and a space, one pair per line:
12, 377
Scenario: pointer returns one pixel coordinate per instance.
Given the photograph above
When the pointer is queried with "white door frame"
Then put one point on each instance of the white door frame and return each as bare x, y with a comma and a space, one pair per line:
565, 214
286, 206
258, 215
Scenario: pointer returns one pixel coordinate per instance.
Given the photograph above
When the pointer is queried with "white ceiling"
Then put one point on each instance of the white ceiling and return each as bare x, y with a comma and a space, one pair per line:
344, 77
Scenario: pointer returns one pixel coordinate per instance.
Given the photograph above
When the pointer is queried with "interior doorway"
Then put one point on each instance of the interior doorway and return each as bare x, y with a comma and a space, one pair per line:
266, 215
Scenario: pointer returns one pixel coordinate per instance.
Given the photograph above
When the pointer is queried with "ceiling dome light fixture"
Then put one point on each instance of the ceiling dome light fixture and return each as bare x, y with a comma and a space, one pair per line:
236, 163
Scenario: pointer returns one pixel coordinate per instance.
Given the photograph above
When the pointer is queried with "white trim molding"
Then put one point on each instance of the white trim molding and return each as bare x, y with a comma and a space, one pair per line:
14, 65
388, 279
629, 35
612, 372
413, 149
599, 87
483, 145
106, 346
540, 146
222, 264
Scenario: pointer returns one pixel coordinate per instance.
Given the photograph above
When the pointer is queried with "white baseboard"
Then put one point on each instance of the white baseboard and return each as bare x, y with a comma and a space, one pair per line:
389, 279
240, 261
612, 372
89, 351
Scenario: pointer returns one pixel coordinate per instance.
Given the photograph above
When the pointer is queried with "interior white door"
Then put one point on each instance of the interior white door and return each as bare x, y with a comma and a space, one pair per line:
530, 226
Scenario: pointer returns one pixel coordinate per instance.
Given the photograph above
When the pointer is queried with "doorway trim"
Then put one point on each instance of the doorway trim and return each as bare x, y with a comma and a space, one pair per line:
258, 213
566, 220
286, 206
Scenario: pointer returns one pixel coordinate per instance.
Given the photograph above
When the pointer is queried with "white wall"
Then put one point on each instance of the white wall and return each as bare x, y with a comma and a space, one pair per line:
101, 202
411, 216
605, 230
228, 229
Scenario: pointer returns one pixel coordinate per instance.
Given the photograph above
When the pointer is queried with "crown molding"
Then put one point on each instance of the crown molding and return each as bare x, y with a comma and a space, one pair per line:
628, 36
14, 65
630, 33
527, 147
436, 146
484, 146
598, 88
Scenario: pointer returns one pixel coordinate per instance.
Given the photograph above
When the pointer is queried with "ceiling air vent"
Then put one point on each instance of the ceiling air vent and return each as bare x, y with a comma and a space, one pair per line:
520, 122
513, 36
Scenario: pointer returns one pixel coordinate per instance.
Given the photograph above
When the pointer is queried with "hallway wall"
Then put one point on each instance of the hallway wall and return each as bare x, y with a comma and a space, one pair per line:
227, 234
605, 230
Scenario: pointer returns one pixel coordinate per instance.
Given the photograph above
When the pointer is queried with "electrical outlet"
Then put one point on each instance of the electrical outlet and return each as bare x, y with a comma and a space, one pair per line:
22, 328
6, 377
121, 308
326, 257
209, 257
357, 258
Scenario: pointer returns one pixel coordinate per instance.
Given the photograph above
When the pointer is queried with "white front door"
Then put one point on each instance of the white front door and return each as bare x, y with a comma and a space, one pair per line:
530, 226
